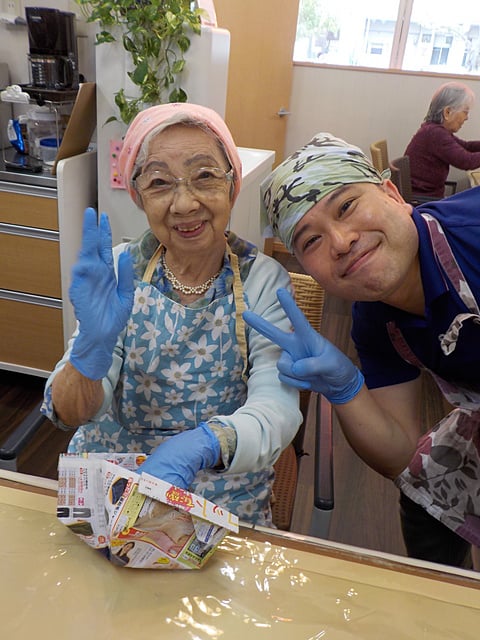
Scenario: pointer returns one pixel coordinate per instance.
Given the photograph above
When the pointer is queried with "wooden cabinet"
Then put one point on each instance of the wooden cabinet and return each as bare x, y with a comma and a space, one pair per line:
40, 231
31, 334
29, 263
29, 210
31, 327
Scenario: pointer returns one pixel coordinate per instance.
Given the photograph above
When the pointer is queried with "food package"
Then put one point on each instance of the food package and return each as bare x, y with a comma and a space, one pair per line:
137, 521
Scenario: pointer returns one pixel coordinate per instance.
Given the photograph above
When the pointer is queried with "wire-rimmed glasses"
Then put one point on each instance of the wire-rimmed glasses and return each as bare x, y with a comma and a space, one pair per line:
203, 181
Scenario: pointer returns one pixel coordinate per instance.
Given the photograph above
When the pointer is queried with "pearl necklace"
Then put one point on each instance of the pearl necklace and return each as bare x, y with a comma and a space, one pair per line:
183, 288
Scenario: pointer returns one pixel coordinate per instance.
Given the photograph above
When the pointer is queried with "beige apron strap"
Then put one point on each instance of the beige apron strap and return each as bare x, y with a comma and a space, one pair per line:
152, 263
240, 307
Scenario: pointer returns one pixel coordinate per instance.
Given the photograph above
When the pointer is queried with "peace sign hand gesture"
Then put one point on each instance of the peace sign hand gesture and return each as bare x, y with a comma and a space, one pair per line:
309, 361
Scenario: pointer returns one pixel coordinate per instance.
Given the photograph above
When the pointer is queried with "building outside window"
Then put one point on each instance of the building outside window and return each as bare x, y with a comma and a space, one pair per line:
414, 35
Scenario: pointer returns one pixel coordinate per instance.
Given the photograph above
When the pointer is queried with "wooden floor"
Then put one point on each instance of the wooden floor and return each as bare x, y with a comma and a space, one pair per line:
366, 509
366, 504
19, 394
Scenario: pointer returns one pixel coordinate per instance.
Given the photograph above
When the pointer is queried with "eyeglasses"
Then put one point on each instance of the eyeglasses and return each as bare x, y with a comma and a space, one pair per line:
203, 181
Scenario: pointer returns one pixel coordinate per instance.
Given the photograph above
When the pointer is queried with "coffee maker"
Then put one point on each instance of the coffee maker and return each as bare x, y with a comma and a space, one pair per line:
53, 52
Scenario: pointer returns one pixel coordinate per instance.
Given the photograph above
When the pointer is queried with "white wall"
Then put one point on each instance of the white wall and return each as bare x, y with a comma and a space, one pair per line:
205, 83
14, 41
364, 106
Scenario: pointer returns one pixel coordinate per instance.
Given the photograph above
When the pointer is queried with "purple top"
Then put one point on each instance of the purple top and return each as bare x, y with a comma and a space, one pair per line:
431, 151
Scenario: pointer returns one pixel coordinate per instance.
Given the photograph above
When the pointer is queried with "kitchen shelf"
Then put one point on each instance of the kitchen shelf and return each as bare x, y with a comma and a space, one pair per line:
57, 101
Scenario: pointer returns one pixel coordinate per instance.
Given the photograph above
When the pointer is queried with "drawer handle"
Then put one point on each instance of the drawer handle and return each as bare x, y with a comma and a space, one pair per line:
17, 296
28, 232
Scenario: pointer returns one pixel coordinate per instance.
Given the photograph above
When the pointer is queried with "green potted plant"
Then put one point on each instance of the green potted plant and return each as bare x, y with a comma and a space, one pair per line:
156, 35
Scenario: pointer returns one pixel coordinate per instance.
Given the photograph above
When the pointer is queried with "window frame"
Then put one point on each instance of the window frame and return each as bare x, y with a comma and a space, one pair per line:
397, 55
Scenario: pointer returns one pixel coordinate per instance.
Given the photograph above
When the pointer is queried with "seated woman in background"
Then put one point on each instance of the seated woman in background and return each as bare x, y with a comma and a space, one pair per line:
162, 361
434, 147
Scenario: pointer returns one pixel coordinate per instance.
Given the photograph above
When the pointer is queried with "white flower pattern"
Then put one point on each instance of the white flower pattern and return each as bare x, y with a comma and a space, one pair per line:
217, 322
177, 374
181, 367
147, 385
200, 351
151, 334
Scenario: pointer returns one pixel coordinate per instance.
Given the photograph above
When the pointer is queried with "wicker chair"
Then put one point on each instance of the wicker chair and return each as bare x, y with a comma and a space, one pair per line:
317, 413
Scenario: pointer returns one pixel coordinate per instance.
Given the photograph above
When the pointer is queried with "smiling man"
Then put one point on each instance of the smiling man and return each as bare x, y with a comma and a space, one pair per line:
414, 275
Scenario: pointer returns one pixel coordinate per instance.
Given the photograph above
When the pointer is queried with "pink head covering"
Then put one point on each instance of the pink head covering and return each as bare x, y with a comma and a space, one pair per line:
164, 115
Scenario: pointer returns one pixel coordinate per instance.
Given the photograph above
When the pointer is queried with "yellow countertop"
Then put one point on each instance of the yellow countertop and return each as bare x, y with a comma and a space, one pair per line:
257, 585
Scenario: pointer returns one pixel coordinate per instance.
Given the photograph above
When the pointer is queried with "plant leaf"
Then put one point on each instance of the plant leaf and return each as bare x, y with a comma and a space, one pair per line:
140, 73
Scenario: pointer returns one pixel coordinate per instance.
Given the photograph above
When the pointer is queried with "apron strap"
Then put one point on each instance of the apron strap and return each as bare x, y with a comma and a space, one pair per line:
152, 263
240, 306
449, 263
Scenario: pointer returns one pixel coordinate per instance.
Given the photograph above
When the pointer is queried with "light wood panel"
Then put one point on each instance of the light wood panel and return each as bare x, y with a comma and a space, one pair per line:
28, 211
30, 335
30, 265
262, 36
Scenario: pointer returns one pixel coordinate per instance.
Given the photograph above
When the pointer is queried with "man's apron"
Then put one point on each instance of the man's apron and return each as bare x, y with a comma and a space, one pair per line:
182, 366
444, 474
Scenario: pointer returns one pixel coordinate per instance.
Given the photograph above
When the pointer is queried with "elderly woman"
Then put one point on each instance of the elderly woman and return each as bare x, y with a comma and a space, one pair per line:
434, 147
162, 361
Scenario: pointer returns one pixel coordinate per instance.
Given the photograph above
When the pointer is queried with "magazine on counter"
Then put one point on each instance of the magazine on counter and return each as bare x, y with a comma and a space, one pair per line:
137, 521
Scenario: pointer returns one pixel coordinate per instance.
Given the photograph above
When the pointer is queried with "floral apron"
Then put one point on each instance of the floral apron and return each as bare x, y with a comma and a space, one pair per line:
444, 474
182, 366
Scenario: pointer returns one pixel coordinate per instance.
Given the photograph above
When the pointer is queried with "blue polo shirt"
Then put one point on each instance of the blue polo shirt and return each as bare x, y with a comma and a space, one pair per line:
459, 217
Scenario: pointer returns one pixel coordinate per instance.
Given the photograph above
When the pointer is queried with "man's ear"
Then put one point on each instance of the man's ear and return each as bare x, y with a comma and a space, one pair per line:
392, 191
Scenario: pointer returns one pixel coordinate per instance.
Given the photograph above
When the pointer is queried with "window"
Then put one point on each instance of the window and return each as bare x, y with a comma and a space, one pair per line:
416, 35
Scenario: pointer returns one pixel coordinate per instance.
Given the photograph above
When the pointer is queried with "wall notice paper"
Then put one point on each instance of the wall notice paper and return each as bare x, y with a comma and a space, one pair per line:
137, 521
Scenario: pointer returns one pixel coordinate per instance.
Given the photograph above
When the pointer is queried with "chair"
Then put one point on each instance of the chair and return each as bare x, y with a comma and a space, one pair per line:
452, 186
317, 414
21, 436
474, 177
379, 153
401, 178
275, 248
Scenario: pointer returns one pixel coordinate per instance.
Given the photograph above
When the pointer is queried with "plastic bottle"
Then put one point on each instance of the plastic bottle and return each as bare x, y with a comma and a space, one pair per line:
41, 123
22, 121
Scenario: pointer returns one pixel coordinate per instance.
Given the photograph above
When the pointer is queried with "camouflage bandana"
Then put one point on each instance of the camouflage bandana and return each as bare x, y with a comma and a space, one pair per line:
308, 175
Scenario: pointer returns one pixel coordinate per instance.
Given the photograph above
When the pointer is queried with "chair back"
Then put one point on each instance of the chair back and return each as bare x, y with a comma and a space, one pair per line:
379, 153
309, 296
275, 248
401, 178
474, 177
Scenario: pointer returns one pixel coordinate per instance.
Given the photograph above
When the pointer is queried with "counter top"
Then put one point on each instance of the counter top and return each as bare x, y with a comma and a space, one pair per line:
262, 584
41, 179
254, 161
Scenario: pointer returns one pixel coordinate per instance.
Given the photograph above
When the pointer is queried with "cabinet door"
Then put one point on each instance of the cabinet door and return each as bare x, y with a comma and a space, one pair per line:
28, 210
31, 335
29, 263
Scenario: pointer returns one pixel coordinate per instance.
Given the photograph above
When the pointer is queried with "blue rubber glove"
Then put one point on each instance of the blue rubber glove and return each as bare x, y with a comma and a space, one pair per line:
102, 306
309, 361
179, 459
